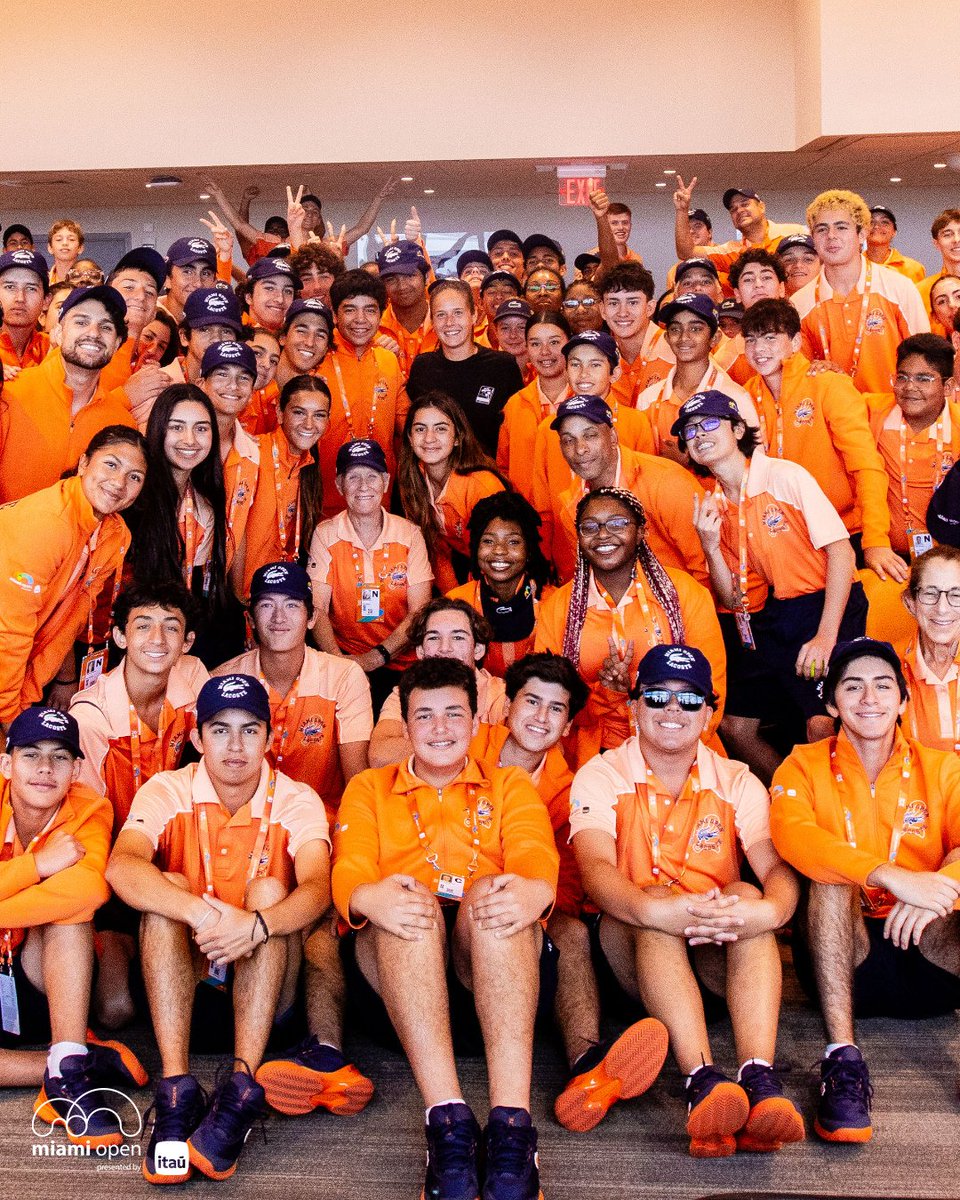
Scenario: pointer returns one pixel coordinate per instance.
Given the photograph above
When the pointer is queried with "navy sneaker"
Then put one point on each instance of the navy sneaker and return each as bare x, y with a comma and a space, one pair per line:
80, 1100
510, 1152
216, 1143
843, 1114
773, 1119
452, 1139
717, 1109
178, 1109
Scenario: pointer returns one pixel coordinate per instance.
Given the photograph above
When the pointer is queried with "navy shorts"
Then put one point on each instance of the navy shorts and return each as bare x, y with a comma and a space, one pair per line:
34, 1013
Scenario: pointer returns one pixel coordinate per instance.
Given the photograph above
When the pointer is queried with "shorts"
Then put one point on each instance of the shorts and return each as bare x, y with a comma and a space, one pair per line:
34, 1013
212, 1026
616, 1002
889, 982
117, 917
763, 683
370, 1017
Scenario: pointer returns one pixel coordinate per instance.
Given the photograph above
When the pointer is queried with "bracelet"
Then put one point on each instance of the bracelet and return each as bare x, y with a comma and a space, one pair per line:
66, 682
259, 921
383, 652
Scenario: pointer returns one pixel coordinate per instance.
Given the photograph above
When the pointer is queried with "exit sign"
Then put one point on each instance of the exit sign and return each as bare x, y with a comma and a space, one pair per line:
576, 191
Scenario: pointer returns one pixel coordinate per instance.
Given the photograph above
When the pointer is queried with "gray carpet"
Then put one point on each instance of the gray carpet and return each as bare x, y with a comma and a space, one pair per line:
638, 1151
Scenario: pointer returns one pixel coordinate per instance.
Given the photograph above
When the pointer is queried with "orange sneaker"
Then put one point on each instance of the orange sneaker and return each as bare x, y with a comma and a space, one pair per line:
773, 1119
309, 1079
717, 1110
118, 1061
627, 1069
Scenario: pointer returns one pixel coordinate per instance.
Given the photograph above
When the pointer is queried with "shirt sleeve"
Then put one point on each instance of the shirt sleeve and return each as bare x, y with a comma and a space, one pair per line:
418, 561
593, 798
823, 521
356, 841
304, 818
153, 808
354, 707
846, 414
94, 742
751, 808
319, 564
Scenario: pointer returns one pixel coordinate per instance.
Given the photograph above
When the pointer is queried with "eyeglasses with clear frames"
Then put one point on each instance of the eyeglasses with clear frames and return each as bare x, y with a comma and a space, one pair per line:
586, 302
610, 525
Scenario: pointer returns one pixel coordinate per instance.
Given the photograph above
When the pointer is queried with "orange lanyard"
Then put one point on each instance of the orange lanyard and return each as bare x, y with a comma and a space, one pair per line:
280, 730
472, 821
779, 426
822, 325
941, 473
281, 510
742, 539
653, 808
650, 621
346, 403
911, 706
136, 733
189, 533
257, 869
658, 403
897, 831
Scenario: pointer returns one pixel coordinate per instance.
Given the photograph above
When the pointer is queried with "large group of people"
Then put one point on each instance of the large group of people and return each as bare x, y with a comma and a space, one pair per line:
475, 650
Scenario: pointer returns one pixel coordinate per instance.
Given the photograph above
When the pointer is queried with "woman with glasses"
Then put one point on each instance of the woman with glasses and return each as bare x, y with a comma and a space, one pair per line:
581, 307
620, 603
931, 661
544, 289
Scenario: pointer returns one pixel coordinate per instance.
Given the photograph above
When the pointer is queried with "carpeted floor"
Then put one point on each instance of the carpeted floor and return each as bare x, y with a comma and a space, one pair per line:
639, 1151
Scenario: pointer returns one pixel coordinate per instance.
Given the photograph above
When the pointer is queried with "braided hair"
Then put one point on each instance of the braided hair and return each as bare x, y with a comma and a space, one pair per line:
659, 582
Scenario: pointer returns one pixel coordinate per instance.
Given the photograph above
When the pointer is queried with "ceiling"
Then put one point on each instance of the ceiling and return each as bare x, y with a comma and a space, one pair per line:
861, 162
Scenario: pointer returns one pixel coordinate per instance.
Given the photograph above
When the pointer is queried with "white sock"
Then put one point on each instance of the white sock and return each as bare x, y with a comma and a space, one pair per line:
760, 1062
696, 1069
443, 1103
58, 1052
836, 1046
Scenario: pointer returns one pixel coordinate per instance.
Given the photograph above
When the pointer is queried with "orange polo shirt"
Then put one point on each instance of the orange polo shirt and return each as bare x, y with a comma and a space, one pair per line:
725, 254
107, 733
68, 897
924, 457
241, 470
605, 721
376, 836
701, 834
932, 716
39, 438
262, 415
552, 779
340, 566
457, 499
841, 832
522, 416
55, 559
662, 405
499, 655
275, 507
665, 489
832, 324
34, 352
820, 422
419, 341
373, 394
328, 706
649, 367
491, 700
165, 810
914, 271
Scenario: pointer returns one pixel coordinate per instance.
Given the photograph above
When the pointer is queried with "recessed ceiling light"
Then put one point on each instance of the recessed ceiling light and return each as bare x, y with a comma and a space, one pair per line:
406, 179
428, 191
939, 166
204, 195
659, 185
670, 172
895, 179
164, 181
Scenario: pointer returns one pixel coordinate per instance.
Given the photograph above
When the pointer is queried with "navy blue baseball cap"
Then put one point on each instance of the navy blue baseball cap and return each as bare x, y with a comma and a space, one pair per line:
884, 211
513, 308
27, 260
504, 235
696, 303
109, 297
401, 258
706, 404
143, 258
228, 354
731, 307
361, 452
44, 725
586, 260
501, 277
699, 214
268, 268
281, 579
604, 342
190, 250
593, 408
232, 691
212, 306
729, 194
698, 263
862, 647
685, 664
313, 305
795, 241
473, 256
536, 240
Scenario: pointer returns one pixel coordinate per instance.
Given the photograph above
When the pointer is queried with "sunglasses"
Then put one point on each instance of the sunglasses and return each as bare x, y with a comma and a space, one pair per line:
586, 302
661, 697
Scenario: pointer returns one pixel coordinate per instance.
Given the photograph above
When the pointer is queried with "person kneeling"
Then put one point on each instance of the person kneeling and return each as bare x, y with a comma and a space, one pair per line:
479, 904
655, 825
235, 855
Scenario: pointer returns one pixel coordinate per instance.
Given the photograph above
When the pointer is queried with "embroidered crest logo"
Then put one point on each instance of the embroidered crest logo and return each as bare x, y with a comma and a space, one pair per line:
708, 834
484, 813
915, 820
312, 729
775, 520
804, 414
876, 322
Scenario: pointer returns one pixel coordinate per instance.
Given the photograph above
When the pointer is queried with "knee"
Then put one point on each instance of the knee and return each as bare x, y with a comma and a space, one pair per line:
262, 893
745, 890
568, 934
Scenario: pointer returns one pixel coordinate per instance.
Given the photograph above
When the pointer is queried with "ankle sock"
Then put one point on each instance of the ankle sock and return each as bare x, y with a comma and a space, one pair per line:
58, 1052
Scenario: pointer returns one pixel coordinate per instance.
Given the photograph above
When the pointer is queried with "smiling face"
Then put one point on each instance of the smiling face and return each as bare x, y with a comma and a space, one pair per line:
698, 281
432, 436
707, 447
229, 388
670, 730
88, 336
801, 266
233, 744
689, 337
766, 351
745, 211
404, 291
507, 256
154, 638
545, 350
40, 776
65, 247
947, 242
363, 489
867, 699
511, 333
608, 549
112, 477
266, 350
188, 438
186, 279
493, 297
539, 715
590, 449
589, 372
881, 231
270, 300
449, 634
543, 290
758, 282
627, 314
502, 553
938, 619
440, 726
281, 622
452, 320
358, 319
315, 281
153, 343
305, 418
306, 342
582, 308
918, 388
836, 237
944, 300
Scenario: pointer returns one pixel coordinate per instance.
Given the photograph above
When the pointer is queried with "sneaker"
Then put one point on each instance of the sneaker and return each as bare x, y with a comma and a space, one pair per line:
512, 1164
613, 1072
78, 1099
178, 1109
314, 1076
117, 1062
216, 1142
452, 1139
843, 1114
773, 1120
717, 1109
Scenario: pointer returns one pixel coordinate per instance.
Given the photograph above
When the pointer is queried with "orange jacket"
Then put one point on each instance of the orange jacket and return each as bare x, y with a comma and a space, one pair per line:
34, 352
376, 837
522, 415
263, 526
55, 559
69, 897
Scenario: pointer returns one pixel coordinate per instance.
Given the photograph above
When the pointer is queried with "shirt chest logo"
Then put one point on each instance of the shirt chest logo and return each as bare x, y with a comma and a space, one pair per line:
775, 520
708, 835
804, 413
485, 396
312, 729
876, 322
915, 820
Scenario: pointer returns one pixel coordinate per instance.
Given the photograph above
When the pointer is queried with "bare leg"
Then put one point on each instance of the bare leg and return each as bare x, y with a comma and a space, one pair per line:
838, 944
256, 983
577, 1005
112, 1003
170, 976
68, 990
819, 728
741, 736
325, 985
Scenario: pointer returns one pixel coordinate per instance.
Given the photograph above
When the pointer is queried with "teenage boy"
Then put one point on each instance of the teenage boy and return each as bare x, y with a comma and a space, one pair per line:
800, 261
191, 264
271, 288
138, 277
23, 290
658, 827
506, 252
545, 693
226, 859
945, 232
366, 387
134, 722
404, 270
872, 819
55, 837
627, 300
880, 247
445, 868
210, 315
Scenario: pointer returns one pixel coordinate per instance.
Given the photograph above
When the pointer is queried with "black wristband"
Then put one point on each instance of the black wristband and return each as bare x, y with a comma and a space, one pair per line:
383, 652
258, 915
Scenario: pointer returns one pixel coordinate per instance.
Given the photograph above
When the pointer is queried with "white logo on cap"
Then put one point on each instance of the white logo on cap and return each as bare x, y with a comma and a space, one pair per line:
590, 335
230, 350
198, 246
391, 254
677, 657
52, 719
275, 574
215, 303
358, 449
23, 256
234, 685
576, 402
694, 403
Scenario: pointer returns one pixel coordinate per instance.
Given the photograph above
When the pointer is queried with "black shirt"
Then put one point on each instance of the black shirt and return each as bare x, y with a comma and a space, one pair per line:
480, 384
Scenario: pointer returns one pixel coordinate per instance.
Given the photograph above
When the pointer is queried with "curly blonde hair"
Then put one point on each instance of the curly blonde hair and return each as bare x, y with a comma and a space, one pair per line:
849, 202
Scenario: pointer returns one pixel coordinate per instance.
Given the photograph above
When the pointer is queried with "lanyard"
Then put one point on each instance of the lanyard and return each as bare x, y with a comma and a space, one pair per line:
433, 859
896, 833
653, 807
779, 426
822, 325
941, 473
281, 509
189, 533
742, 539
256, 869
650, 621
280, 730
346, 403
658, 403
136, 734
913, 648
